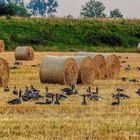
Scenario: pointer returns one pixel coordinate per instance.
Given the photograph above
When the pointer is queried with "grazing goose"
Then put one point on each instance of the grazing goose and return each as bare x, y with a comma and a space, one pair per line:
47, 94
6, 89
116, 103
56, 101
84, 99
15, 91
18, 100
120, 96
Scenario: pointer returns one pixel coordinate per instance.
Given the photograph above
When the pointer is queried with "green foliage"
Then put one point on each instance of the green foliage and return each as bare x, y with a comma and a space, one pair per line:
41, 7
70, 34
13, 8
116, 13
93, 8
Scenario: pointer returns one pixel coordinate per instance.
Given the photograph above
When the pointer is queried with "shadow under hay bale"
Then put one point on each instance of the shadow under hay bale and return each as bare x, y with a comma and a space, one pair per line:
60, 70
2, 45
112, 66
24, 53
4, 73
138, 48
86, 69
99, 63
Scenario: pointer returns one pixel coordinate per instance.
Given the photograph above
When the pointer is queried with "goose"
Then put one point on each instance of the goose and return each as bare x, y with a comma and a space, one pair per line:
18, 100
116, 103
84, 99
15, 91
67, 89
47, 94
92, 93
70, 91
120, 96
6, 89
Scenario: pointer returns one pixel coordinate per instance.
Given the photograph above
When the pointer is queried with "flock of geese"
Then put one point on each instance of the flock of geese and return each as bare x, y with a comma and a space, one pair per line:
50, 98
34, 94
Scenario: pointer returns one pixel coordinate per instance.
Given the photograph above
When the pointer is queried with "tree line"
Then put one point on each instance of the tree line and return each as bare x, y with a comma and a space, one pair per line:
91, 9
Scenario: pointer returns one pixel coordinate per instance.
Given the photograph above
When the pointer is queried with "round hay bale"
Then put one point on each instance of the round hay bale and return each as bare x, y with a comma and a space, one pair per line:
99, 62
24, 53
60, 70
2, 45
86, 71
138, 48
112, 66
4, 73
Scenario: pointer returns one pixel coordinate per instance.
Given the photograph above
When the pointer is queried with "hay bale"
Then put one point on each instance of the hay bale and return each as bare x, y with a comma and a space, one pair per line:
112, 66
138, 48
60, 70
24, 53
2, 45
99, 63
86, 71
4, 73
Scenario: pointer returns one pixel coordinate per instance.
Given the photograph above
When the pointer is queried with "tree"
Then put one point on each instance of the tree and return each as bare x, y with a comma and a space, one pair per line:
11, 7
51, 7
37, 7
41, 7
116, 13
93, 8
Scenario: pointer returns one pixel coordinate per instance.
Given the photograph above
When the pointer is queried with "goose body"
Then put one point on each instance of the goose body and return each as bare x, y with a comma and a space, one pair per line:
121, 96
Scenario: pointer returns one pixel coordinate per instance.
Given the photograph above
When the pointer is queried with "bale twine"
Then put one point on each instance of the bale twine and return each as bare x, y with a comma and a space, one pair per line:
112, 66
2, 45
4, 73
86, 71
99, 62
24, 53
138, 48
60, 70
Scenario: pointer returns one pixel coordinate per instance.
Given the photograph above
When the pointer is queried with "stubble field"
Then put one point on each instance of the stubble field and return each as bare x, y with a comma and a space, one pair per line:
70, 120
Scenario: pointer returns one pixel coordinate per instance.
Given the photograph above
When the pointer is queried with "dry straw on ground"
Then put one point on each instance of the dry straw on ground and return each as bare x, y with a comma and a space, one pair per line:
112, 66
86, 69
2, 45
58, 69
138, 48
4, 73
24, 53
99, 62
